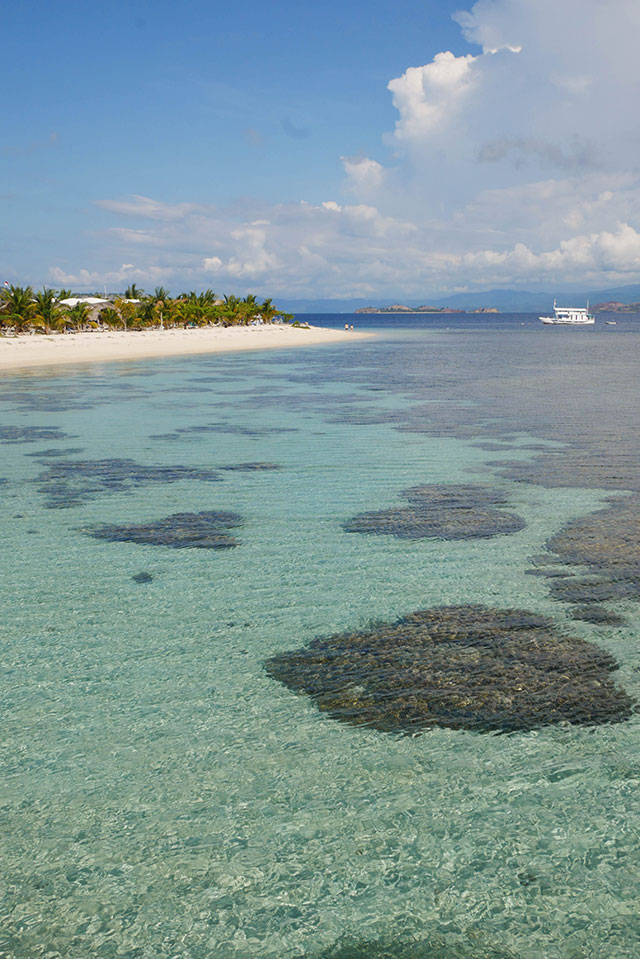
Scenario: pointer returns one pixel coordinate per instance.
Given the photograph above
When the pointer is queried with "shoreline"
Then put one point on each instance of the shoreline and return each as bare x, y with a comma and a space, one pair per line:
61, 349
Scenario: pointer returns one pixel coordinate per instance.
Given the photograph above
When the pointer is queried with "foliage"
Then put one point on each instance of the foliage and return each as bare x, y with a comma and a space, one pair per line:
78, 315
46, 316
22, 310
17, 307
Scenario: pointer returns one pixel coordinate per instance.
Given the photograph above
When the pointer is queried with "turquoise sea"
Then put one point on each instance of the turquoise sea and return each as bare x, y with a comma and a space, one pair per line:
163, 796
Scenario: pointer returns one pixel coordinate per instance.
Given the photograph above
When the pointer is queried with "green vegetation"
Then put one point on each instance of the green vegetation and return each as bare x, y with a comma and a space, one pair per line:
23, 311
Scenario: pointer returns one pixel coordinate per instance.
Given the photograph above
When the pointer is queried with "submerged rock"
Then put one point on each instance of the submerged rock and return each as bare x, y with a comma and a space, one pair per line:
207, 530
446, 512
547, 573
591, 468
607, 544
585, 590
142, 578
608, 539
250, 467
30, 434
410, 947
233, 429
73, 482
597, 615
55, 452
461, 667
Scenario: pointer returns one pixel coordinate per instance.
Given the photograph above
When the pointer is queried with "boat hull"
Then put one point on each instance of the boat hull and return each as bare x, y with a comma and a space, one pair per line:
551, 321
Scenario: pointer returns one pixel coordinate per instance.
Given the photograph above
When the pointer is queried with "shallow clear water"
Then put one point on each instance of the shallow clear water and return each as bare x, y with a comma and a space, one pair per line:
162, 796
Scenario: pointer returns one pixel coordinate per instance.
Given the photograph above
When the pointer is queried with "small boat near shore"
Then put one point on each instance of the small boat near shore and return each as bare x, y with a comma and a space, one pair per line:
569, 316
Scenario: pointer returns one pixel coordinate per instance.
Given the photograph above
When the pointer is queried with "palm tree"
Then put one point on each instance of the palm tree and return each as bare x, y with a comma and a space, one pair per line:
78, 315
20, 309
17, 307
128, 311
168, 312
268, 311
46, 315
160, 298
110, 317
145, 313
232, 309
183, 314
249, 308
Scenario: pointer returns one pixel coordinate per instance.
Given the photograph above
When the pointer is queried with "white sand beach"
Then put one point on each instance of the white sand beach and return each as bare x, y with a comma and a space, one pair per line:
34, 350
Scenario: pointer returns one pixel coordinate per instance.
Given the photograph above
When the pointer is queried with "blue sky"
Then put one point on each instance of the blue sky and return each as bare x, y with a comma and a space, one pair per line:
316, 150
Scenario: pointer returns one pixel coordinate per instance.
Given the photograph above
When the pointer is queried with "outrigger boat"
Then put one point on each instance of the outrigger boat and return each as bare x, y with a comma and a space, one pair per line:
569, 316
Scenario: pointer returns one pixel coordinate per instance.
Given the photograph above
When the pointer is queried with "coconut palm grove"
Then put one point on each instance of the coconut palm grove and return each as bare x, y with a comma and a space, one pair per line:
22, 310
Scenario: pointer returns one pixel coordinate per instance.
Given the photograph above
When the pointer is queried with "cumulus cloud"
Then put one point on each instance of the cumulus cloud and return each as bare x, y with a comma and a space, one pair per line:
83, 279
293, 247
608, 253
363, 174
252, 259
295, 254
426, 97
576, 154
514, 163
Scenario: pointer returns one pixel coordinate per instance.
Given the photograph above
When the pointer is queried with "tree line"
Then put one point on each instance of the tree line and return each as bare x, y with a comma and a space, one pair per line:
24, 311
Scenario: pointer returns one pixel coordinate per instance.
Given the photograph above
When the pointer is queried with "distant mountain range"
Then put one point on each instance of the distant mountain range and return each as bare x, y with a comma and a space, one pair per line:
506, 301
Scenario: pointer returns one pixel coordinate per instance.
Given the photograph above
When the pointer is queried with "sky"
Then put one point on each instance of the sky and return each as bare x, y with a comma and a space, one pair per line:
364, 149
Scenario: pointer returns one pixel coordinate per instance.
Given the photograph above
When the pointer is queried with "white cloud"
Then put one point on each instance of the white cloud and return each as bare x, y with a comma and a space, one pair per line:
426, 97
137, 237
252, 260
126, 273
513, 164
593, 253
144, 206
363, 174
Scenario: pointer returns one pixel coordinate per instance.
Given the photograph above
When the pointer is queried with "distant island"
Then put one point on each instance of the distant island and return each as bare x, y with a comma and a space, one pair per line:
399, 308
613, 306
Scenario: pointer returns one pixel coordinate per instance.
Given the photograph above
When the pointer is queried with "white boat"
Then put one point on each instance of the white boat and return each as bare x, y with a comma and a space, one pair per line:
569, 316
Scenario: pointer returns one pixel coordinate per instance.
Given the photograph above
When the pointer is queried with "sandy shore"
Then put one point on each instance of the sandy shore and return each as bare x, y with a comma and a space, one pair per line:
25, 352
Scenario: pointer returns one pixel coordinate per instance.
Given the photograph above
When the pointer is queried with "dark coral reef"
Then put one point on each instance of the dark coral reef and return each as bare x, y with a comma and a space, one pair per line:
444, 511
256, 467
605, 546
56, 452
411, 947
206, 530
143, 577
233, 429
461, 667
30, 434
73, 482
596, 615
